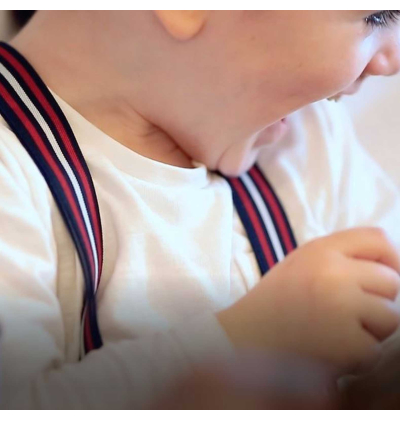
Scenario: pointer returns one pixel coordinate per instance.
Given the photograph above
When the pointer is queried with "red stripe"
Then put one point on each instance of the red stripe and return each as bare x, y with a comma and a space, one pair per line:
60, 128
277, 213
42, 147
254, 220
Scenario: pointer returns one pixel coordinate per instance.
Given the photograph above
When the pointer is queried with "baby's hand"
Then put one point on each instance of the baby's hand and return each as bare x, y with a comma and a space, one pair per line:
332, 299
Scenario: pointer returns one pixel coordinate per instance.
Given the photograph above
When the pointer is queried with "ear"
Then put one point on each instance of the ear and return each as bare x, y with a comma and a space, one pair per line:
182, 24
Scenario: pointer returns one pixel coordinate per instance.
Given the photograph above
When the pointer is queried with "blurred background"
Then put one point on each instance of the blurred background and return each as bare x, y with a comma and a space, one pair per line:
375, 110
376, 115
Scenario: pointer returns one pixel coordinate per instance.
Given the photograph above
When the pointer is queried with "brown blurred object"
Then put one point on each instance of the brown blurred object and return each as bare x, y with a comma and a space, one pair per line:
7, 24
11, 21
379, 389
21, 17
256, 382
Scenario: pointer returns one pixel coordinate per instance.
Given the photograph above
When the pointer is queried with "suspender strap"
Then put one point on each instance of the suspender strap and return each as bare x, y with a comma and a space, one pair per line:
263, 217
33, 114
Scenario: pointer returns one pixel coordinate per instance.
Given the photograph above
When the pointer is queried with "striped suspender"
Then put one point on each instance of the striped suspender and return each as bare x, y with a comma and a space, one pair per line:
35, 117
33, 114
263, 217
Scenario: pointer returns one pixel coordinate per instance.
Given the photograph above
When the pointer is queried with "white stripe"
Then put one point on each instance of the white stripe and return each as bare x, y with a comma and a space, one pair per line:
14, 83
265, 215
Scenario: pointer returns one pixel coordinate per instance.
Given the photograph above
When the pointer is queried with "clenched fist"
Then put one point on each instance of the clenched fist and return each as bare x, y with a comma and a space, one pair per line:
332, 299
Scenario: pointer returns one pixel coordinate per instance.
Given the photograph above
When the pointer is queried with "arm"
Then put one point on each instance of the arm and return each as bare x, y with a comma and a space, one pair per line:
343, 187
35, 371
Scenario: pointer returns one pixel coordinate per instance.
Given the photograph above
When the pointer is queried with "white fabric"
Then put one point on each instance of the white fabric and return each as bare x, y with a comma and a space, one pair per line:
53, 142
175, 253
375, 113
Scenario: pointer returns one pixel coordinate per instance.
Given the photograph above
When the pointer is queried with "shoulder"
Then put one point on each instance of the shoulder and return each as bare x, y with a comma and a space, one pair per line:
21, 182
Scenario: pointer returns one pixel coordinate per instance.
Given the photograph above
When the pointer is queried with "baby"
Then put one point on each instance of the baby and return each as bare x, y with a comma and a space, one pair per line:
171, 110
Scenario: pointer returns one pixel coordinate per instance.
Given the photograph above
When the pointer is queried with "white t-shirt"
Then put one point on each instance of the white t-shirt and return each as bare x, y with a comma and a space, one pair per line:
175, 253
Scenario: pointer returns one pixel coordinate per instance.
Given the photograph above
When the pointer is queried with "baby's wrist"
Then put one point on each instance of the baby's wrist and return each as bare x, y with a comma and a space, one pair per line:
230, 324
242, 332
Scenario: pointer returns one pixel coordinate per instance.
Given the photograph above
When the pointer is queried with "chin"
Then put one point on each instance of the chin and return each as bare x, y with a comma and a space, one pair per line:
235, 168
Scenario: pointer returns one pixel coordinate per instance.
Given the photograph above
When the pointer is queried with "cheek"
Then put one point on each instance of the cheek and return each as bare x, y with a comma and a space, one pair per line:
330, 75
292, 87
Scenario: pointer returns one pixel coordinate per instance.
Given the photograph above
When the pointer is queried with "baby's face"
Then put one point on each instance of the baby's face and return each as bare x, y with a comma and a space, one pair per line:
254, 68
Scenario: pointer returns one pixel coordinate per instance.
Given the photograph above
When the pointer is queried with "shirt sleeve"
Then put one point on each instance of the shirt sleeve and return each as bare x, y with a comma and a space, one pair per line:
35, 373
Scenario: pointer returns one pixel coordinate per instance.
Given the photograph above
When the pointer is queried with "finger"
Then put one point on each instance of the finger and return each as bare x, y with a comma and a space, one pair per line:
366, 351
377, 279
379, 316
368, 244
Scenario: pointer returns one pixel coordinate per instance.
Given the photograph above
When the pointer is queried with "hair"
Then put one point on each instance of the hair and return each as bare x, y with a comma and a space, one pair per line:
21, 17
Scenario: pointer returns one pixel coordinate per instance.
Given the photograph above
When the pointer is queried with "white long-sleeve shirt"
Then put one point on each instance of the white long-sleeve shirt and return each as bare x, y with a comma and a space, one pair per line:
175, 254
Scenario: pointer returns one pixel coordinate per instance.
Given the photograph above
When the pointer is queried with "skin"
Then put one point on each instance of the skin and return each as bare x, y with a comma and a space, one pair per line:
332, 299
380, 388
178, 86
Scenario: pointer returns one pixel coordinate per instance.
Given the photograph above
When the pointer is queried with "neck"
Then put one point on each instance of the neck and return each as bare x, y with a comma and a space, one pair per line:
97, 79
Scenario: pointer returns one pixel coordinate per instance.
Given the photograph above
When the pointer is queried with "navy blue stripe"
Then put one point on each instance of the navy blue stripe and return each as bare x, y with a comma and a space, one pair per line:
263, 226
53, 103
283, 213
278, 231
94, 327
55, 187
47, 173
248, 225
25, 138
